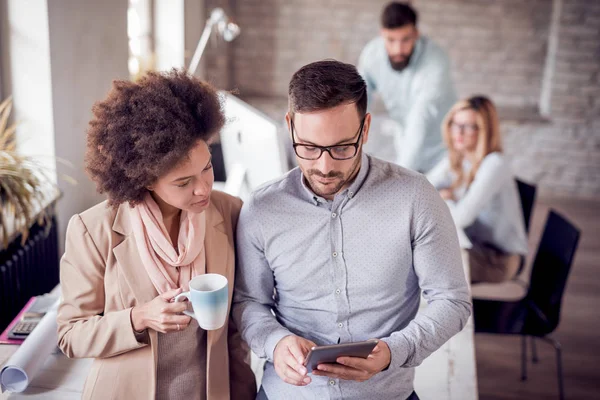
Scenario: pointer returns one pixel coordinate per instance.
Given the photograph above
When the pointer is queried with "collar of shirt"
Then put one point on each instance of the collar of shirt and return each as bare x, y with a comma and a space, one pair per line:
419, 46
349, 192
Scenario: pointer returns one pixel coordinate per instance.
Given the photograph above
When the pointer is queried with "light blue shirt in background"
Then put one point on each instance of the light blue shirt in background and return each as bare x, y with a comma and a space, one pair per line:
490, 211
350, 269
417, 98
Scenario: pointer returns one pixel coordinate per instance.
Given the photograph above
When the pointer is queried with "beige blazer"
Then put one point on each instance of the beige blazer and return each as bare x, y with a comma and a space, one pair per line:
102, 279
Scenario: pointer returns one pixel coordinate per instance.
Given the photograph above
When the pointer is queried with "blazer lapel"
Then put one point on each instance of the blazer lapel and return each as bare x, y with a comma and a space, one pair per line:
129, 262
219, 259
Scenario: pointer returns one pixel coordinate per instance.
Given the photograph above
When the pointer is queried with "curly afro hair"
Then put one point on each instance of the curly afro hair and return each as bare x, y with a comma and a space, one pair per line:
143, 129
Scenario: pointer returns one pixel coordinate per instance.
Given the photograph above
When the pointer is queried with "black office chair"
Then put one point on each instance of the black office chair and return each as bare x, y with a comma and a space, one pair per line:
538, 313
527, 195
218, 162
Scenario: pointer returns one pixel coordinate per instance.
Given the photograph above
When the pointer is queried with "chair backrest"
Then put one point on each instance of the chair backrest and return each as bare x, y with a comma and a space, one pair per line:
550, 271
527, 194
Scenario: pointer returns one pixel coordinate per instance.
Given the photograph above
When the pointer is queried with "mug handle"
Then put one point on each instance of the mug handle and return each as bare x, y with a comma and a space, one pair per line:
180, 298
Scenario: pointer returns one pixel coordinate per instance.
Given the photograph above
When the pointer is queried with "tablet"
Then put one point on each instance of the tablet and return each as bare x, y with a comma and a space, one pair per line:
328, 354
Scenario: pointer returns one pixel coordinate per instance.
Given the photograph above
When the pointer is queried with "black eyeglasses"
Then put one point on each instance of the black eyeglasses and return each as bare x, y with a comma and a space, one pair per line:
466, 129
337, 152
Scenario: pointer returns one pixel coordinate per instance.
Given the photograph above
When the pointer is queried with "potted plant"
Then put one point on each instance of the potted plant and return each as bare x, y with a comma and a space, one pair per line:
24, 184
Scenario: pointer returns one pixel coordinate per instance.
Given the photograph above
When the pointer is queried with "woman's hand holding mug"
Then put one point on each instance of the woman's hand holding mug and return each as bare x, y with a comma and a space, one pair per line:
209, 294
161, 314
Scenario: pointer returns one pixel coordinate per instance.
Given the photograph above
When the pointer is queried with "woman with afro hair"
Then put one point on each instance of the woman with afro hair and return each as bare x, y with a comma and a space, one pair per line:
128, 257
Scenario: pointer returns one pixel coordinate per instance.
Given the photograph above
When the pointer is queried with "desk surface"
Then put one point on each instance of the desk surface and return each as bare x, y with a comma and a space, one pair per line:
59, 379
449, 373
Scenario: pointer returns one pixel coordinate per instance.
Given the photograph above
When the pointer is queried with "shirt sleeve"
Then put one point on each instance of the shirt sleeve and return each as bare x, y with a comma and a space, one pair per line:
254, 287
491, 177
84, 330
424, 116
438, 265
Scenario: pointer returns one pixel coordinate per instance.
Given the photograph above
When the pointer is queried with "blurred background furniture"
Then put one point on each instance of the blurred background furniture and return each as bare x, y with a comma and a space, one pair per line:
28, 269
538, 314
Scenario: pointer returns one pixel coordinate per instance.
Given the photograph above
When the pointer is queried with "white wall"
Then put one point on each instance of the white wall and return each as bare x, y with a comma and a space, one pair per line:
27, 77
60, 56
169, 33
194, 21
178, 25
88, 50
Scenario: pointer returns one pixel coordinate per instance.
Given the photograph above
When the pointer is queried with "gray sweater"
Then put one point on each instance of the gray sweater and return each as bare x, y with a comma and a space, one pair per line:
181, 370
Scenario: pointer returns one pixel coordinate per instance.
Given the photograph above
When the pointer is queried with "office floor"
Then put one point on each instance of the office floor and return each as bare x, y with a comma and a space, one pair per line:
498, 357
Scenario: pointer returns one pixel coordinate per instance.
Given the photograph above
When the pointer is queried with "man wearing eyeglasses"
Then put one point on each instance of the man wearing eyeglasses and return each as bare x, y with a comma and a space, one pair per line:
412, 75
339, 249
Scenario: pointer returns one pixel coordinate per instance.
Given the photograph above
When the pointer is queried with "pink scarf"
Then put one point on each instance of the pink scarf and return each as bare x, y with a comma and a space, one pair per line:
157, 252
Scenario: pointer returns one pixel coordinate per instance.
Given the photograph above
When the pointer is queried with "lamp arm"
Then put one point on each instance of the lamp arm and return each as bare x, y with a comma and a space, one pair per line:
201, 46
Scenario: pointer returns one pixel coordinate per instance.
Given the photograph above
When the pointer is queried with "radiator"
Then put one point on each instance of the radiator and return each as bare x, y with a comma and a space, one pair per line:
27, 270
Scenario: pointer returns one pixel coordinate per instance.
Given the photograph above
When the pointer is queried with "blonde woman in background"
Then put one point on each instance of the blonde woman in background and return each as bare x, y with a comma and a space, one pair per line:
476, 181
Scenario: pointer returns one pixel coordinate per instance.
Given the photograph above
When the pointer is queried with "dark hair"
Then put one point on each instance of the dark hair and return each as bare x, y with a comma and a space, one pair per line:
478, 102
396, 15
326, 84
143, 129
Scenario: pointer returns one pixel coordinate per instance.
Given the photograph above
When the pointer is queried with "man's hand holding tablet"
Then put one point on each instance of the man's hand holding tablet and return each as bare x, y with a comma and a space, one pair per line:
358, 368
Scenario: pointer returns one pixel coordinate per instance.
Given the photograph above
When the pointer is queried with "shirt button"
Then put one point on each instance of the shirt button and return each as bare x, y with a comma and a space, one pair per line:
340, 325
333, 215
350, 194
338, 291
332, 383
334, 254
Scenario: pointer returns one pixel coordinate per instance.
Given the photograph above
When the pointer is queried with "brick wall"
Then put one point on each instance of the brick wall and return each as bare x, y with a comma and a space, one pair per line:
576, 83
218, 53
495, 47
498, 48
563, 155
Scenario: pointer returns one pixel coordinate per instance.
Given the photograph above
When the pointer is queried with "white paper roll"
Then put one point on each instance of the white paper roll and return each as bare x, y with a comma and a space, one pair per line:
22, 367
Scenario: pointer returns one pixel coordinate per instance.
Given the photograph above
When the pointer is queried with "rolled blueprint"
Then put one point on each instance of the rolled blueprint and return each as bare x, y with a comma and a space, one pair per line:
24, 364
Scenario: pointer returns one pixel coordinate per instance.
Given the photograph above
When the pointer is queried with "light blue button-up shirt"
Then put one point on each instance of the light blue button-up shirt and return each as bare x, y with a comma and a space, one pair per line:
417, 98
350, 269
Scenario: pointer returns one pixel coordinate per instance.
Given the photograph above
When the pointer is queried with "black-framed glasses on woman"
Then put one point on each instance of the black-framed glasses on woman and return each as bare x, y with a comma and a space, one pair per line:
467, 129
337, 152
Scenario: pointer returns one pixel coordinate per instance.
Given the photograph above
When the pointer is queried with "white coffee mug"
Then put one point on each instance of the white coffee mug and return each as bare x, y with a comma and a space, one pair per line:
209, 294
